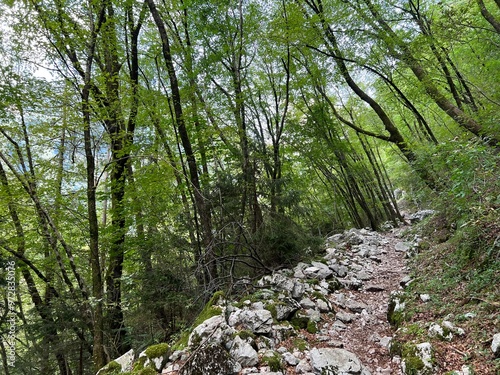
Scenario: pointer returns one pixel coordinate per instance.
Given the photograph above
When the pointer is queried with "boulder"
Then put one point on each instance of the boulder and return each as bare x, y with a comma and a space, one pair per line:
285, 308
243, 352
417, 359
156, 356
258, 321
328, 361
214, 328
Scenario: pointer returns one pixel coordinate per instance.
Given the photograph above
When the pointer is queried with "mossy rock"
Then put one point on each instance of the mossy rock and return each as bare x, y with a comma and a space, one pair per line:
210, 310
139, 364
244, 334
271, 307
157, 351
414, 364
395, 310
183, 340
318, 295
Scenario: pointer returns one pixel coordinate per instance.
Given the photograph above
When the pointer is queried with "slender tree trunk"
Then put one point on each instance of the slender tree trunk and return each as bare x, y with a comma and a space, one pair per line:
203, 211
488, 16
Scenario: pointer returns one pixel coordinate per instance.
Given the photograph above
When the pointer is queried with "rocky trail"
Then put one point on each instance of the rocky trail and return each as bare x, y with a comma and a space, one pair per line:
327, 317
360, 324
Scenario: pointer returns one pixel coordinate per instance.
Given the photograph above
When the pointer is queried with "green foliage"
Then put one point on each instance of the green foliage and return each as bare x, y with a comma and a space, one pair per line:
300, 320
274, 361
300, 344
282, 242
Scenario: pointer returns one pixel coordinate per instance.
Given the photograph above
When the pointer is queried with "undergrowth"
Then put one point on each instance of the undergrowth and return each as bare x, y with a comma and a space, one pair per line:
460, 264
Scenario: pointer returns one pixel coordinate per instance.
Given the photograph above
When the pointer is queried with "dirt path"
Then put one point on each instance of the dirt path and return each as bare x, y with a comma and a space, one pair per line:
368, 333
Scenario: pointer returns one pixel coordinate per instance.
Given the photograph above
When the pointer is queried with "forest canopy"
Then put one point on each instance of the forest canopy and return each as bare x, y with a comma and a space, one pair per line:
153, 152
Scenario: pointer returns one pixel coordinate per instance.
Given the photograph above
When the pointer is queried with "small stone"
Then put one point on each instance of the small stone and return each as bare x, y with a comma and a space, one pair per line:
303, 367
356, 306
453, 328
374, 288
425, 298
322, 306
402, 247
385, 341
363, 275
344, 317
436, 330
290, 359
405, 281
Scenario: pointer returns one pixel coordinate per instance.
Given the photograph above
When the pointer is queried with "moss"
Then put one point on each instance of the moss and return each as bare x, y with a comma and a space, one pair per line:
299, 320
415, 329
396, 317
196, 340
334, 285
139, 364
395, 348
183, 340
413, 363
319, 295
271, 307
312, 327
210, 310
157, 351
274, 362
147, 371
245, 334
112, 367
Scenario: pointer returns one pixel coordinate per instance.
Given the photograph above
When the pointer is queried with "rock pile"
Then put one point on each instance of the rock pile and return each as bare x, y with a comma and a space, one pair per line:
289, 324
320, 317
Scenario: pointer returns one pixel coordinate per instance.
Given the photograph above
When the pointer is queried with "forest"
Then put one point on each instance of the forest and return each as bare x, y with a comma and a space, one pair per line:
154, 152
